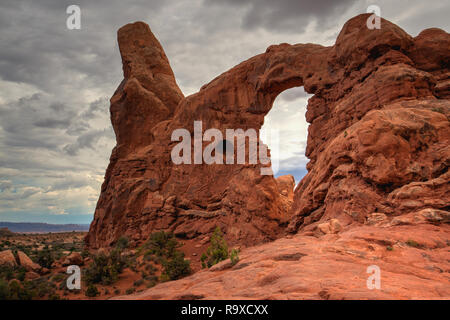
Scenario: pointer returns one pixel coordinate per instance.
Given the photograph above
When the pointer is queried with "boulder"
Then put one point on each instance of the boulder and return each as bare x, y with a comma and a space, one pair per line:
74, 258
376, 218
26, 262
7, 258
332, 226
286, 186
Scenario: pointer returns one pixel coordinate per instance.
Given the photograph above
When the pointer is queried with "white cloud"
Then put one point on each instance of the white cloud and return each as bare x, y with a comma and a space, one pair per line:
287, 116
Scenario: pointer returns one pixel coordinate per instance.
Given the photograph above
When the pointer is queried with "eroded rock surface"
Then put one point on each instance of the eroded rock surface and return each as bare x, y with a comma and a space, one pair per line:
413, 261
378, 140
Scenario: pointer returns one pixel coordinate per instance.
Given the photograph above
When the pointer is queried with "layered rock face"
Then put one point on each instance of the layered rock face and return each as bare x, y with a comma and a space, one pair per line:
378, 139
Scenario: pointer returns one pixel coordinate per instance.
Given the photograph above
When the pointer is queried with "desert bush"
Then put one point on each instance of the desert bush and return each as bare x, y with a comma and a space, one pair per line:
162, 244
91, 291
413, 243
148, 256
40, 287
122, 243
20, 275
217, 250
176, 267
84, 253
45, 258
59, 277
14, 291
162, 248
151, 269
4, 290
54, 296
7, 272
234, 256
151, 278
138, 283
105, 268
438, 109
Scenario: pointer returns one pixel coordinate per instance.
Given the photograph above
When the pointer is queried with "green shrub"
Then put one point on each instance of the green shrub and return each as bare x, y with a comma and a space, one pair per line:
217, 250
7, 272
58, 277
176, 267
20, 275
412, 243
151, 278
148, 256
105, 268
40, 287
122, 243
4, 290
151, 269
54, 296
234, 256
138, 283
14, 291
91, 291
438, 109
84, 253
161, 244
130, 290
45, 258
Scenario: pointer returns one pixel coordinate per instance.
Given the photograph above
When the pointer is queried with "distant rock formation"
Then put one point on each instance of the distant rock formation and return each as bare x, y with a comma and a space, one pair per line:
378, 139
36, 227
5, 232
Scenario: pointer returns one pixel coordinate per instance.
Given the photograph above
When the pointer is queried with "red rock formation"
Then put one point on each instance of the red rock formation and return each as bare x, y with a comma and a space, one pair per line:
378, 140
380, 143
7, 258
26, 262
413, 260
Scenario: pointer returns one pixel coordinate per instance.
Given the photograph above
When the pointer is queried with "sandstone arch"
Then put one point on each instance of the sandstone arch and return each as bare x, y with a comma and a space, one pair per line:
368, 79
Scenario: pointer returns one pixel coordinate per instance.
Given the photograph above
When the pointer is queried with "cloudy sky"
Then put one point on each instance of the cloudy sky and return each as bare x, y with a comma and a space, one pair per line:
55, 83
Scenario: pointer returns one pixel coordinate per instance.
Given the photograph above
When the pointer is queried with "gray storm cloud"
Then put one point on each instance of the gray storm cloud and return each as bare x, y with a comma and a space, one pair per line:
55, 83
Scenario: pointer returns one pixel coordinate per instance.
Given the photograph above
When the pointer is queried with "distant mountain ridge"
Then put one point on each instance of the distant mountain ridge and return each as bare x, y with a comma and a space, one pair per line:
38, 227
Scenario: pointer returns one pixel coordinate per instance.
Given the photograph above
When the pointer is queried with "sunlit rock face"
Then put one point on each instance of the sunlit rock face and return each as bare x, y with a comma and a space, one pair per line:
378, 139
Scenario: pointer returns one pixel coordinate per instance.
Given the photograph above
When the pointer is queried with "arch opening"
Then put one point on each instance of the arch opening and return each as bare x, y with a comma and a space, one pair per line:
287, 120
